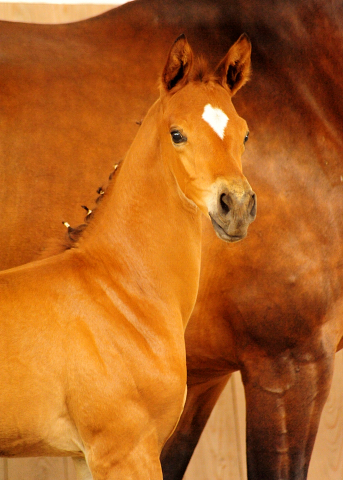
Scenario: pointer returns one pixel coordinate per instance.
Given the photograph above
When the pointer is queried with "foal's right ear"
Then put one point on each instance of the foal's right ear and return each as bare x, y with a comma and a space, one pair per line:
179, 63
234, 69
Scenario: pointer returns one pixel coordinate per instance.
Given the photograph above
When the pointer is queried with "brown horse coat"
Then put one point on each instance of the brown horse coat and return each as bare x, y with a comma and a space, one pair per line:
271, 305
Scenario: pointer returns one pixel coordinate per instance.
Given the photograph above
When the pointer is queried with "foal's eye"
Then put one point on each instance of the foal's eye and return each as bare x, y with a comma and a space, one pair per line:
177, 137
246, 138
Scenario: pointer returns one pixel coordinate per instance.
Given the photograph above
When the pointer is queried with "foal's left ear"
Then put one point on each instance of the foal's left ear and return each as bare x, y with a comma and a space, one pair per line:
234, 69
179, 63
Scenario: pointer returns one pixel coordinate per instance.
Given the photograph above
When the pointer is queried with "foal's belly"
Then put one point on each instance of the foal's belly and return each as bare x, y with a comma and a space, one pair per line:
31, 430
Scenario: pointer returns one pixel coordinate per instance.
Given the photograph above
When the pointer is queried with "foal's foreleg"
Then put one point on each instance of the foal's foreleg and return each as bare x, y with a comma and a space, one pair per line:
137, 462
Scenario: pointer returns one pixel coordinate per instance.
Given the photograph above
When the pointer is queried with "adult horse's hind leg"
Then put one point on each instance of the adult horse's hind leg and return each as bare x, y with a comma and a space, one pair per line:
81, 468
179, 449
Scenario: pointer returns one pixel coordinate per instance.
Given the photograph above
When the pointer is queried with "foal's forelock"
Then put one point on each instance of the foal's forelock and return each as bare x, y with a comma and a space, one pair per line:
201, 73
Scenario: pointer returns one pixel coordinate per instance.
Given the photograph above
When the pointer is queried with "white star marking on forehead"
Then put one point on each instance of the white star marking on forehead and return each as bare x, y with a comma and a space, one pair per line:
216, 118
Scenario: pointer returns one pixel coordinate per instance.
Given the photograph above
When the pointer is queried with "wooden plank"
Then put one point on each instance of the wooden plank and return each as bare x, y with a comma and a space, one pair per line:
49, 13
71, 474
3, 469
41, 468
238, 399
327, 458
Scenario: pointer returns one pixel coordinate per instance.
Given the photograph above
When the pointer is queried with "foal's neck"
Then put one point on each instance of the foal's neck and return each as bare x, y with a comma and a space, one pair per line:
146, 230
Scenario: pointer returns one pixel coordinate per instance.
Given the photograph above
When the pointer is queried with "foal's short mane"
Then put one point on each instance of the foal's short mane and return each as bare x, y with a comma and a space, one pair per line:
74, 234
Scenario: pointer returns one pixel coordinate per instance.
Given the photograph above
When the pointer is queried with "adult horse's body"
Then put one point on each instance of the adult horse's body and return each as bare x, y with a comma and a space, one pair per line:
92, 340
269, 306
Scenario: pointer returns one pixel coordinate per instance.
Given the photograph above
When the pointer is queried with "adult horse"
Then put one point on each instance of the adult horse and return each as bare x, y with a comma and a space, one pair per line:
92, 340
269, 306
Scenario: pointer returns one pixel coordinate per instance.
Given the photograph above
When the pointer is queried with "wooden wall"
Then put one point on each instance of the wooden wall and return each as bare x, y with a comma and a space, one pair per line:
43, 13
220, 454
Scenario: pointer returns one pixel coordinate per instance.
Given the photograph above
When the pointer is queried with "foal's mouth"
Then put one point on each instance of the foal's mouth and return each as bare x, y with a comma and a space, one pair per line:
222, 233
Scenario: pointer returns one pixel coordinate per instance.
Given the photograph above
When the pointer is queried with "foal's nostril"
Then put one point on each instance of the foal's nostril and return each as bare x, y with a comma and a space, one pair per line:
223, 203
253, 205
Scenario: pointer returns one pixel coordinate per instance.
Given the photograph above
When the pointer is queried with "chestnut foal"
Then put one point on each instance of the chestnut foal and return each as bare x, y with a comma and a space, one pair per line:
92, 340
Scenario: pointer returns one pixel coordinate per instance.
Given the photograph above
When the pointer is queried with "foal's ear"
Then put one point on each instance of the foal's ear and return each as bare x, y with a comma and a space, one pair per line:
178, 66
234, 69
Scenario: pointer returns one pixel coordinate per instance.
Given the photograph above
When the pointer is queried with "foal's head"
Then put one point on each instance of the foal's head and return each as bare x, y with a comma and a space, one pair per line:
205, 137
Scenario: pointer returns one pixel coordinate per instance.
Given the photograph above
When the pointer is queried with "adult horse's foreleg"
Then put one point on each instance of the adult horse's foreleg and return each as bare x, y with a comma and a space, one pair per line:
179, 449
285, 395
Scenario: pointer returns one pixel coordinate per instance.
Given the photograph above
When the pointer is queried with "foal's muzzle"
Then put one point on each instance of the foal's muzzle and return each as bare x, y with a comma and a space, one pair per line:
235, 210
